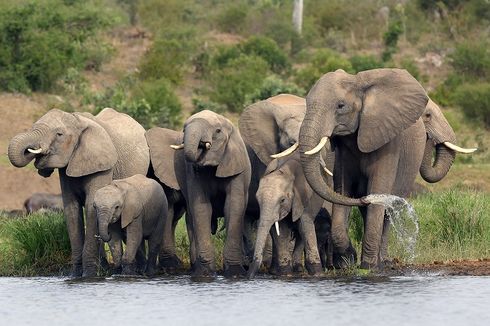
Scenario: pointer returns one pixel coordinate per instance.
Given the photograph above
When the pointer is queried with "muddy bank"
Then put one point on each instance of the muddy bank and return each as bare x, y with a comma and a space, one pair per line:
480, 267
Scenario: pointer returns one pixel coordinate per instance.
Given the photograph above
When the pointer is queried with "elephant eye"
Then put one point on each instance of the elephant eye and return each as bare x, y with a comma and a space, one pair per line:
340, 106
427, 115
218, 131
283, 200
59, 134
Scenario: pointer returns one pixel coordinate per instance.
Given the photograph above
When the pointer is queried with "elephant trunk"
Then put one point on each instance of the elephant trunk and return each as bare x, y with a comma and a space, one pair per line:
103, 218
267, 217
194, 141
442, 162
19, 146
310, 134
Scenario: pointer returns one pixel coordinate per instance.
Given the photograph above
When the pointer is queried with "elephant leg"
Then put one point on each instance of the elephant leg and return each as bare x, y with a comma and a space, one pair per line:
134, 239
168, 257
312, 257
115, 246
282, 251
154, 243
192, 242
298, 253
344, 253
140, 258
74, 221
235, 202
383, 252
201, 211
248, 243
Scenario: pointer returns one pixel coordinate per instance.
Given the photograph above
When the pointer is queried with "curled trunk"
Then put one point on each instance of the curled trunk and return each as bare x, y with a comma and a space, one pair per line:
191, 145
18, 154
434, 172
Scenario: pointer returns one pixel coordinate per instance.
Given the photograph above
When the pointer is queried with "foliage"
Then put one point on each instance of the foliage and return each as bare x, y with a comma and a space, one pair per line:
268, 50
323, 61
150, 102
391, 36
232, 19
37, 244
200, 104
238, 77
271, 86
365, 62
471, 60
39, 40
474, 100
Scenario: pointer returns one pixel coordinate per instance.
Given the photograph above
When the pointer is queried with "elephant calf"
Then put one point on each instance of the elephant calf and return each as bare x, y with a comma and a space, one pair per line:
132, 209
43, 200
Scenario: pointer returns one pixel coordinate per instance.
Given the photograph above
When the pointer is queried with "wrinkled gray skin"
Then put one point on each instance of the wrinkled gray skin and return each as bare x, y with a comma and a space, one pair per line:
164, 163
40, 200
215, 184
373, 120
284, 193
89, 152
323, 229
132, 210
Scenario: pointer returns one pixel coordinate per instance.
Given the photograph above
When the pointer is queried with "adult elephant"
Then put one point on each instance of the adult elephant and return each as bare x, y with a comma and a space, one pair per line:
215, 184
372, 120
89, 152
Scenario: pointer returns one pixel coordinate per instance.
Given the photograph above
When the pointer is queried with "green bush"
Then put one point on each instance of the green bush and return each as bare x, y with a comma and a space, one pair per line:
323, 61
37, 244
232, 19
40, 40
200, 104
268, 50
271, 86
474, 101
238, 78
150, 102
365, 62
471, 60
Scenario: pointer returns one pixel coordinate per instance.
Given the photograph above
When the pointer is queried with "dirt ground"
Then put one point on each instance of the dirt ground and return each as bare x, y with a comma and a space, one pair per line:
479, 267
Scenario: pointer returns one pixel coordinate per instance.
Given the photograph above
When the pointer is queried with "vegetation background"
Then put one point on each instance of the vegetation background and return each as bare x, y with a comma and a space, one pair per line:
162, 60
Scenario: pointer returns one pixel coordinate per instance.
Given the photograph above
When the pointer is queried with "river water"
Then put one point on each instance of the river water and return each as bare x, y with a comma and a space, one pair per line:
406, 300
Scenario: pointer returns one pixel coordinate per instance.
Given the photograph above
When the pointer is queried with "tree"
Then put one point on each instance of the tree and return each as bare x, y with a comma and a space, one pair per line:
298, 16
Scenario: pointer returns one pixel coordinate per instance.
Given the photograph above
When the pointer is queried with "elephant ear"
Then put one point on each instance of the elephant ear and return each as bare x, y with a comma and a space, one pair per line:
235, 158
133, 203
95, 151
162, 156
302, 194
393, 101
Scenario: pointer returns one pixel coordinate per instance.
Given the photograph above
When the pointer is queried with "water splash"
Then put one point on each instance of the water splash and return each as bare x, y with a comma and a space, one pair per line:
403, 219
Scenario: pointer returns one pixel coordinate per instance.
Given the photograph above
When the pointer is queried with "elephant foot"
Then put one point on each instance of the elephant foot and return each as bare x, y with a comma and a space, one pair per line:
150, 271
129, 269
234, 271
171, 265
89, 271
202, 271
76, 271
369, 266
285, 270
314, 269
117, 270
345, 260
298, 268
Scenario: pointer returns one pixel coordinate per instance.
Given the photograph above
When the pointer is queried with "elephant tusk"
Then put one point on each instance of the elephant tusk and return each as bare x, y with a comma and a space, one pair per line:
208, 146
277, 228
176, 147
286, 152
324, 166
459, 149
318, 147
35, 151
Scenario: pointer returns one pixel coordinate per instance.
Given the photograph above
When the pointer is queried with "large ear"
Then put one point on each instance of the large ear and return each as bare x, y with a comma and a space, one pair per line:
133, 203
94, 152
235, 158
393, 100
162, 156
302, 194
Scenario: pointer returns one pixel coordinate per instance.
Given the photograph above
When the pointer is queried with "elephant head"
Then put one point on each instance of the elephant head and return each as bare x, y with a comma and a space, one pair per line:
60, 139
211, 140
373, 106
272, 126
114, 202
283, 191
441, 137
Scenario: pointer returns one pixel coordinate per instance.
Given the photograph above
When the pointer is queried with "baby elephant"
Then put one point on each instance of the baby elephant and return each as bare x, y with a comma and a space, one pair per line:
132, 210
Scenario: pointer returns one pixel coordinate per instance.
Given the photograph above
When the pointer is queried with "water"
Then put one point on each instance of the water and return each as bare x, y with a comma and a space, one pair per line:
403, 219
407, 300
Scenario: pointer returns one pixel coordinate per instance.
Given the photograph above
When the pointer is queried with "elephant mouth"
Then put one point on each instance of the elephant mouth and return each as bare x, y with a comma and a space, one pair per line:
40, 161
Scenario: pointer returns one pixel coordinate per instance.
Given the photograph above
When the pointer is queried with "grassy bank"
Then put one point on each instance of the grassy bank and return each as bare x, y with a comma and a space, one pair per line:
454, 225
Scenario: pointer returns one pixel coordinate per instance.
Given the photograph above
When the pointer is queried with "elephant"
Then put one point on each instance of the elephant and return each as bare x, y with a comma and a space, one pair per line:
284, 193
215, 183
323, 229
43, 200
89, 152
372, 120
441, 137
132, 210
164, 163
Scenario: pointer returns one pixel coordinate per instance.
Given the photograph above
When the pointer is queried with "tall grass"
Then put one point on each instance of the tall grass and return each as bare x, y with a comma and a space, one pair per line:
37, 244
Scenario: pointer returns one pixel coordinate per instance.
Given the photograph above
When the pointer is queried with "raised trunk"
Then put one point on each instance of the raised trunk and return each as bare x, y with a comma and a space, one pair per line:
434, 172
266, 220
309, 136
18, 154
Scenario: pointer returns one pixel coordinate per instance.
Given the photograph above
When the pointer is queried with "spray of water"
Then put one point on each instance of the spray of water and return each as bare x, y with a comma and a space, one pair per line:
403, 219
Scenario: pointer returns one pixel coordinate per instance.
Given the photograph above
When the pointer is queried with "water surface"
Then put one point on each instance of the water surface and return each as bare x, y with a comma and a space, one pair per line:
407, 300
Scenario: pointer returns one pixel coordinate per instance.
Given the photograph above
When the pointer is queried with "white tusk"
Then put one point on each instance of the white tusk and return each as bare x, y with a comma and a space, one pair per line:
328, 171
324, 166
286, 152
35, 151
176, 147
208, 146
459, 149
277, 228
318, 147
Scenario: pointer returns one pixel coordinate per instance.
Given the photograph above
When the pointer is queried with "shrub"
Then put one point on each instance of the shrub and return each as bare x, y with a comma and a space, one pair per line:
268, 50
271, 86
232, 18
471, 60
474, 101
239, 77
365, 62
281, 31
323, 61
200, 104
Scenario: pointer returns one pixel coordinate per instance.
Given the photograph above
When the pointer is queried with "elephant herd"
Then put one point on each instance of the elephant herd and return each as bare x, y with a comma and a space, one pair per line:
284, 180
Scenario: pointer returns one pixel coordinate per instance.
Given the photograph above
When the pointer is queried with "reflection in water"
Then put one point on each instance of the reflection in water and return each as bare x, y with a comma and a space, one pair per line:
263, 301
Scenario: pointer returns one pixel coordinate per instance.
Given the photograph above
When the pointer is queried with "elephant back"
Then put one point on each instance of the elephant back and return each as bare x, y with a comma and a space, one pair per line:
128, 137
